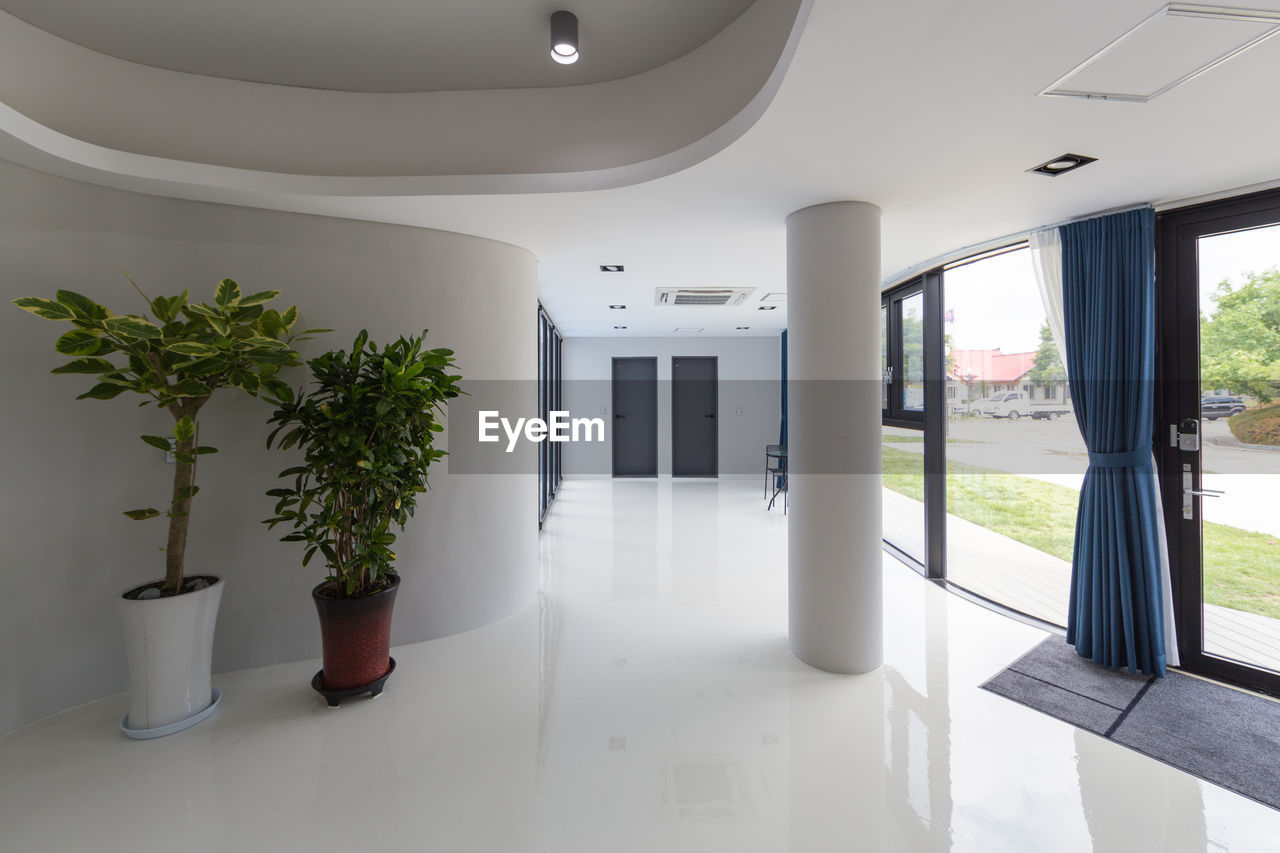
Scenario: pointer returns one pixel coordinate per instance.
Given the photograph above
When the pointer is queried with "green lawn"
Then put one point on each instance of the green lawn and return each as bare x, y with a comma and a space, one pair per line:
919, 439
1242, 568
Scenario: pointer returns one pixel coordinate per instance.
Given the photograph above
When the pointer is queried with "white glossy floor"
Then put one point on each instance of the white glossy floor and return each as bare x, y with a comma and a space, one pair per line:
647, 703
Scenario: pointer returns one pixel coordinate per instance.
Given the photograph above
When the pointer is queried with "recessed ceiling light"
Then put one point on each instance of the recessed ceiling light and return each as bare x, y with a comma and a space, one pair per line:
1062, 165
742, 328
611, 268
766, 307
619, 327
617, 307
564, 37
1174, 45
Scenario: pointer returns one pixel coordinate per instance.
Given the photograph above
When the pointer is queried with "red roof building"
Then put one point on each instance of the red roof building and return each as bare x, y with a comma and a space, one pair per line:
990, 366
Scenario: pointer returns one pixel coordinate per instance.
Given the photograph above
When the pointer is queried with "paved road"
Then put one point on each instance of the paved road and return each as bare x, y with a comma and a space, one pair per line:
1053, 451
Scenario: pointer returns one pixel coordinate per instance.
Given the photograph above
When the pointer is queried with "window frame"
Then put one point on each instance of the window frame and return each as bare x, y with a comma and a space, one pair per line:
549, 398
896, 414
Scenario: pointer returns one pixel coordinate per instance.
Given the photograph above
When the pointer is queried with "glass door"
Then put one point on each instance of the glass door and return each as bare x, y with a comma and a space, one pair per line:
1219, 281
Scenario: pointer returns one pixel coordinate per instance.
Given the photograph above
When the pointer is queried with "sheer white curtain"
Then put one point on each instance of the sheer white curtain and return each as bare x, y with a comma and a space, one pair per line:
1046, 258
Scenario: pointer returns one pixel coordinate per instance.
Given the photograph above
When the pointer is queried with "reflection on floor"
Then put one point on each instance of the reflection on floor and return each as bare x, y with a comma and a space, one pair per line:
1030, 581
647, 703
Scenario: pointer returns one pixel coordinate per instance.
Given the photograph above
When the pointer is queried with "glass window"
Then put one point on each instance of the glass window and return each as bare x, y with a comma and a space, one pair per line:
1014, 460
903, 496
902, 436
902, 355
549, 395
886, 377
912, 331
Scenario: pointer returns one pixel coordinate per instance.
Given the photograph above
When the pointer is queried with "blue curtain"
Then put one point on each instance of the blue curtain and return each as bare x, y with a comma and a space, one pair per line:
1108, 282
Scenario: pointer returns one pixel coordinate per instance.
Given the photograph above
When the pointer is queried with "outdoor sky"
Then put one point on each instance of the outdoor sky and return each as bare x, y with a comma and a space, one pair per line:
997, 304
1230, 256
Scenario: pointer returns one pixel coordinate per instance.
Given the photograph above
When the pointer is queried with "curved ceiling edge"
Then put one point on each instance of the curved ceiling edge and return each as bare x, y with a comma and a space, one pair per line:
251, 142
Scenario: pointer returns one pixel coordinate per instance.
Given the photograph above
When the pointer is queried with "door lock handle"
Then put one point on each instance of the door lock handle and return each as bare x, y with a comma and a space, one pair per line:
1204, 493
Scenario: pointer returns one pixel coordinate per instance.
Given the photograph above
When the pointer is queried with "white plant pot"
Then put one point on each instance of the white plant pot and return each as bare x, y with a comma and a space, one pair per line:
169, 643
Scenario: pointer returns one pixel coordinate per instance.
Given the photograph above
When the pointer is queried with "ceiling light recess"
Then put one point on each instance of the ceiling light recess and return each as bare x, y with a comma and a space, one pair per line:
1175, 44
611, 268
564, 37
617, 307
701, 295
1062, 164
767, 308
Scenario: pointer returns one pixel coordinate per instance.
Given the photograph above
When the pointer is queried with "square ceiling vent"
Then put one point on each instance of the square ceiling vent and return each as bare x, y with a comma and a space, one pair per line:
1178, 43
702, 295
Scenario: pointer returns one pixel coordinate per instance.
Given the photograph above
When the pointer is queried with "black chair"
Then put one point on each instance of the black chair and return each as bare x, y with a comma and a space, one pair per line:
775, 471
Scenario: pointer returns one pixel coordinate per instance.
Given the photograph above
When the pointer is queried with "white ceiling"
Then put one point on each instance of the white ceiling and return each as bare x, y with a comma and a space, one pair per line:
927, 108
384, 45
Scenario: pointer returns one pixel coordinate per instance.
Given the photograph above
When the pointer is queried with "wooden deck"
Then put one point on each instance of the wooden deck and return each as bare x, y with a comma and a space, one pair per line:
1035, 583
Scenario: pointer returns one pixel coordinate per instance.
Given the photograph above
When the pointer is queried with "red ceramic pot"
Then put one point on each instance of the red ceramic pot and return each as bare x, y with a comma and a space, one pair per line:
356, 635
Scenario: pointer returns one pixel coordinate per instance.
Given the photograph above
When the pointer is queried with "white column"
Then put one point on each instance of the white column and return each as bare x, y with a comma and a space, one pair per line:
833, 436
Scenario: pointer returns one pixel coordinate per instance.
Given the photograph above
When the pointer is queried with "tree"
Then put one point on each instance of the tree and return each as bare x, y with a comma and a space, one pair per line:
1047, 367
1240, 340
177, 363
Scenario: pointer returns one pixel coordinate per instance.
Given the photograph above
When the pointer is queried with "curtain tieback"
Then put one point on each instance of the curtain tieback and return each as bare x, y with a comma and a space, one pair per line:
1124, 459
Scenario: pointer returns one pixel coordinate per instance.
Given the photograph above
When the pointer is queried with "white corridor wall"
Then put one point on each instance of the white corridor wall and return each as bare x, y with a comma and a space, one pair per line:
749, 378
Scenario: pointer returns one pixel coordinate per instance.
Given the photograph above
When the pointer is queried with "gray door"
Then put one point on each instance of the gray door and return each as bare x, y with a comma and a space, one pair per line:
635, 417
695, 436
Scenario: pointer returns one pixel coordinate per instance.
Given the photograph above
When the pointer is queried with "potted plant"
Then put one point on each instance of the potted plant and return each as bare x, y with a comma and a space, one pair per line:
366, 430
176, 361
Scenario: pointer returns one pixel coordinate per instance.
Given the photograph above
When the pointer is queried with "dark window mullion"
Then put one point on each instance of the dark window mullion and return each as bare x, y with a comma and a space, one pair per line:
935, 430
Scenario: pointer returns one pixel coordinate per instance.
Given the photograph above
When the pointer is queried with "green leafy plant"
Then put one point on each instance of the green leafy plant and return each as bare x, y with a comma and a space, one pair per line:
1240, 339
177, 361
366, 430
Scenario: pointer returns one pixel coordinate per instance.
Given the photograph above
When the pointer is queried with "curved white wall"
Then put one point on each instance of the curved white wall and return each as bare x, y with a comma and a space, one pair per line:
71, 467
330, 142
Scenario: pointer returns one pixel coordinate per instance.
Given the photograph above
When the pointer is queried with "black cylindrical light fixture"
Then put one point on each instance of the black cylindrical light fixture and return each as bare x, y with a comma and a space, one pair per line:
564, 37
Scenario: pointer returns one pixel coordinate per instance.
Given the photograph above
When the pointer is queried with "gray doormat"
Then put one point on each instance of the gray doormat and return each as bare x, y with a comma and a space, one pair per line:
1221, 735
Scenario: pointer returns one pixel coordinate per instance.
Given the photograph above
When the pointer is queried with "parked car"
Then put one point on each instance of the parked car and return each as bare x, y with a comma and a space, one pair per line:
1010, 404
1214, 407
975, 406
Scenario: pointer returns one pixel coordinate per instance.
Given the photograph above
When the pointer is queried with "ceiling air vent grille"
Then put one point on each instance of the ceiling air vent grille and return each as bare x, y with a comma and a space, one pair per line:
702, 295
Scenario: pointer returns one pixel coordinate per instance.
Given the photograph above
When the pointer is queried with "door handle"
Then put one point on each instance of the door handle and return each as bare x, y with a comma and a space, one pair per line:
1190, 492
708, 416
616, 417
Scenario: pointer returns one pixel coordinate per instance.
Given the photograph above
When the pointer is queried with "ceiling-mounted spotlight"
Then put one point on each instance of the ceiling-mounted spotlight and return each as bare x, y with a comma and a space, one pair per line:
564, 37
1062, 165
